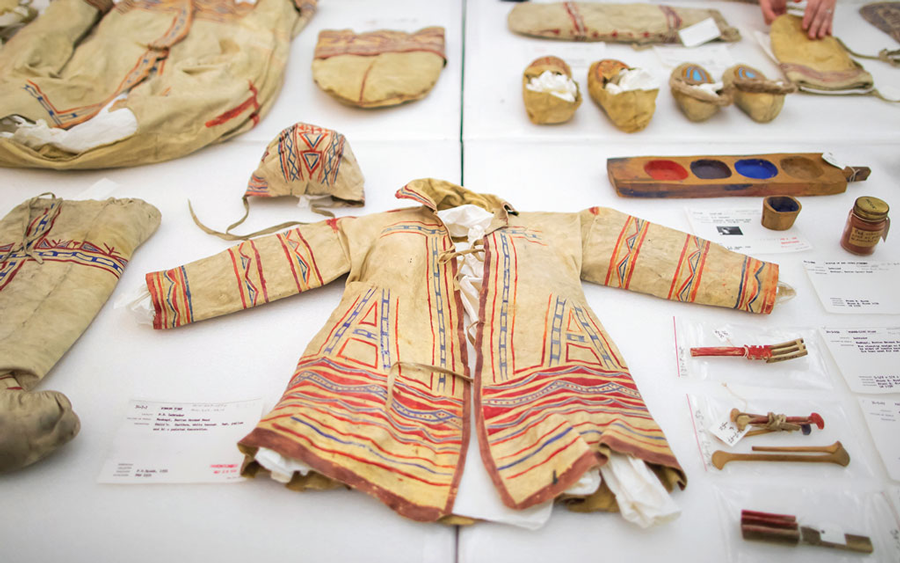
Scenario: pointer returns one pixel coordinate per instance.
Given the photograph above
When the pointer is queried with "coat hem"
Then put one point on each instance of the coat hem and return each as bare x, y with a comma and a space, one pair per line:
262, 438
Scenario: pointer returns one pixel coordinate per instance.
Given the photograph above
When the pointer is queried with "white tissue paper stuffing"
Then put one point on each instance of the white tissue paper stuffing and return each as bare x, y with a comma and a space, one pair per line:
139, 303
587, 484
632, 79
710, 88
642, 499
104, 128
280, 467
555, 84
471, 222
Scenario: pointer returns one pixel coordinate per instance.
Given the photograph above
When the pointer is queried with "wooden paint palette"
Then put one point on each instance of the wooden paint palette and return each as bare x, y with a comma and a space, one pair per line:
727, 176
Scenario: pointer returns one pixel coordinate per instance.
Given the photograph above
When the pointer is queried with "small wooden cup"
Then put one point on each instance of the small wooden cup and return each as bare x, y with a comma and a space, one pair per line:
780, 212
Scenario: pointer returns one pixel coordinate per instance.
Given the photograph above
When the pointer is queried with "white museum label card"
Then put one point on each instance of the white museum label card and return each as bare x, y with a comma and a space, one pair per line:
869, 358
856, 287
740, 230
699, 33
714, 58
883, 419
162, 442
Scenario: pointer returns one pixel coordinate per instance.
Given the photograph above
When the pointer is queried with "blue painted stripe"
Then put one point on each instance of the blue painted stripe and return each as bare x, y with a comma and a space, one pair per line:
535, 452
187, 292
370, 449
625, 410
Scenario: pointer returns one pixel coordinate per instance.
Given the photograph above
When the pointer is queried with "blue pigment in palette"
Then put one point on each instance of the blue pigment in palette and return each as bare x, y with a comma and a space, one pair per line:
726, 176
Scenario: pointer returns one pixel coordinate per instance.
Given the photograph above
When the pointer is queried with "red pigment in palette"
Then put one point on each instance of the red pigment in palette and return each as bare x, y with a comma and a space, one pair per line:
725, 176
665, 170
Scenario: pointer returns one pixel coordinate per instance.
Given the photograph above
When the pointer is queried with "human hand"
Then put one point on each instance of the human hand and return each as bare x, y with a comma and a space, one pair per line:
818, 18
771, 9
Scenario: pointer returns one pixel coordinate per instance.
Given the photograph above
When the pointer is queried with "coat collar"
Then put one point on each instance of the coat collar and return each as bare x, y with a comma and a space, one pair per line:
440, 194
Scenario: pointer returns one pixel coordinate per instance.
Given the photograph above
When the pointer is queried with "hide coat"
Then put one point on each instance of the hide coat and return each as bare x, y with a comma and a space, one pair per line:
381, 398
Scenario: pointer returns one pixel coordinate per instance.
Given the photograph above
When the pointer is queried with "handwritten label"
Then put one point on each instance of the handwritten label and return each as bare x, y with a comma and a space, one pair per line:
704, 444
180, 442
727, 431
832, 160
722, 334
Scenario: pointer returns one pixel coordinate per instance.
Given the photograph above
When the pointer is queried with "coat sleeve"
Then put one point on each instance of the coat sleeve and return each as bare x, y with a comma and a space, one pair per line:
619, 250
252, 273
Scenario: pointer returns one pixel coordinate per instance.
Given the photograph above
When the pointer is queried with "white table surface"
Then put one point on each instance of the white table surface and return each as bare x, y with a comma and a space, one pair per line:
56, 510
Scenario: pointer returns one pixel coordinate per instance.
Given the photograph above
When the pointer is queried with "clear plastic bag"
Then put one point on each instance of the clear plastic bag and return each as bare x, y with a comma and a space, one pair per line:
832, 510
808, 371
709, 413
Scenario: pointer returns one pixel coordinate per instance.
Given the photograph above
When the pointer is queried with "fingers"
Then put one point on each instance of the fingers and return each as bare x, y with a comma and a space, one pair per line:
818, 18
771, 9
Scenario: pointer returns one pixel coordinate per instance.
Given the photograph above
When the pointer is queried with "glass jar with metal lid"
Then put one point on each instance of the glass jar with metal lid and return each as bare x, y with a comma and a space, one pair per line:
867, 223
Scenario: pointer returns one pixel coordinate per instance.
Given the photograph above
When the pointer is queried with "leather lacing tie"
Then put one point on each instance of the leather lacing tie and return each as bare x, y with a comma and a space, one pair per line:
778, 422
764, 86
477, 246
28, 238
395, 370
450, 254
228, 235
723, 98
885, 55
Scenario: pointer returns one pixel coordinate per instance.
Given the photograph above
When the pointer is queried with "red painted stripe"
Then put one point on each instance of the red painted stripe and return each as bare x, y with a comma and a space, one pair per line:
612, 259
312, 258
512, 309
400, 436
634, 255
360, 460
290, 260
493, 287
374, 443
699, 272
237, 276
610, 348
550, 412
551, 456
533, 443
687, 241
339, 323
428, 291
259, 270
235, 111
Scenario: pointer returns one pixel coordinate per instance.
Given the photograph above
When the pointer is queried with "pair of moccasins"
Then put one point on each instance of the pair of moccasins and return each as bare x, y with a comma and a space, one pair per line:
629, 110
700, 98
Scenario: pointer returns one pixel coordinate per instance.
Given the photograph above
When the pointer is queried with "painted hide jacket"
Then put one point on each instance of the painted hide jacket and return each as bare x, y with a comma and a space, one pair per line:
192, 72
380, 399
